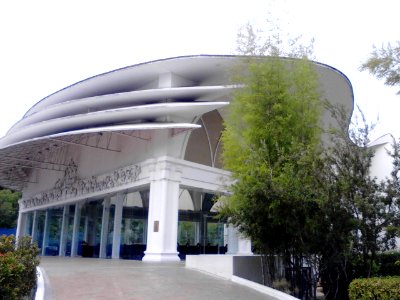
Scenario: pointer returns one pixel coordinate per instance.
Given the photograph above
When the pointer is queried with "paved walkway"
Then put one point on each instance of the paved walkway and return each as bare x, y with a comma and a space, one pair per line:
90, 278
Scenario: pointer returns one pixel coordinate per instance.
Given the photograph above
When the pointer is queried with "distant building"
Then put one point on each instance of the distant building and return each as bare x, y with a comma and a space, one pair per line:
382, 162
126, 163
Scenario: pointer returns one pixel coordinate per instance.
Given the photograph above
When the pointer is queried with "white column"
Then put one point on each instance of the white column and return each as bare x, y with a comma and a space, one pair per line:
75, 230
34, 226
45, 232
162, 230
119, 203
21, 225
64, 231
232, 240
104, 228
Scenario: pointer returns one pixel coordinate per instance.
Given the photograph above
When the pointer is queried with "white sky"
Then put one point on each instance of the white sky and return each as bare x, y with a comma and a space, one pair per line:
48, 45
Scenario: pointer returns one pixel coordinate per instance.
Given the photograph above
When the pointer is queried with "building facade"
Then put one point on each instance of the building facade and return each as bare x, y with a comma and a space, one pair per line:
127, 163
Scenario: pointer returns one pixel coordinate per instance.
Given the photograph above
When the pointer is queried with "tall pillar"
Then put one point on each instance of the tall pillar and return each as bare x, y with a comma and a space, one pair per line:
162, 233
104, 228
64, 231
46, 232
21, 225
119, 203
34, 226
233, 243
75, 230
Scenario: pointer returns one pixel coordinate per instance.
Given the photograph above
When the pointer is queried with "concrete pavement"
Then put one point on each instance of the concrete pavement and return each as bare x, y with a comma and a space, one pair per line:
91, 278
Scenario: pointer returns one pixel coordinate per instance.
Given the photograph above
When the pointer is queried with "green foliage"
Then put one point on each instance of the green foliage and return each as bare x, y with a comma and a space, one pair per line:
295, 194
389, 263
392, 192
17, 267
357, 209
292, 196
270, 141
384, 63
251, 41
8, 208
375, 288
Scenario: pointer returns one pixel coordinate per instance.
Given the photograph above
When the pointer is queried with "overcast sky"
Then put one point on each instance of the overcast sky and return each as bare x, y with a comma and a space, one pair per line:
48, 45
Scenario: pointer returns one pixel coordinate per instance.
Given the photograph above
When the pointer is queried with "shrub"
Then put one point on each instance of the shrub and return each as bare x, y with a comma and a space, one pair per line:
389, 263
387, 288
18, 264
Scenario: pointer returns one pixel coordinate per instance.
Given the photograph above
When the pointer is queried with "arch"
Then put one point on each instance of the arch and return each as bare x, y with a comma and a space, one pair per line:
204, 144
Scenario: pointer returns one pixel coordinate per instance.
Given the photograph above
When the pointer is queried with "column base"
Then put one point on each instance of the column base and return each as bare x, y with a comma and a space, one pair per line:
161, 257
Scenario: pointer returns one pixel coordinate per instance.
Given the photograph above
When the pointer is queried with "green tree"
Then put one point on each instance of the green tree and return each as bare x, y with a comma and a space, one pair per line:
271, 139
8, 208
356, 209
293, 195
392, 193
313, 203
384, 63
349, 202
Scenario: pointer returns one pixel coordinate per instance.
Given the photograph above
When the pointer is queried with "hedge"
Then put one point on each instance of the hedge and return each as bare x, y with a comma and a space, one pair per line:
389, 264
386, 288
17, 267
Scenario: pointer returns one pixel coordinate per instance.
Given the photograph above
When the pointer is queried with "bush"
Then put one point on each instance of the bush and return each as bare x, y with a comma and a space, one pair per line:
17, 267
387, 288
389, 263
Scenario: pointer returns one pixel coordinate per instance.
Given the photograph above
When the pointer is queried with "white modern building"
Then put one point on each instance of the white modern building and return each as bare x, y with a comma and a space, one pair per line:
126, 163
382, 162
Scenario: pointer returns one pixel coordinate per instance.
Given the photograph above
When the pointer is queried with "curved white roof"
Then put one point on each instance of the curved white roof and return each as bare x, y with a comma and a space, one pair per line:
158, 95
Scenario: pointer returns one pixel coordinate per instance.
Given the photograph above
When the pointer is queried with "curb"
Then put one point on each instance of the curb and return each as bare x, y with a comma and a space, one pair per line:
262, 288
43, 291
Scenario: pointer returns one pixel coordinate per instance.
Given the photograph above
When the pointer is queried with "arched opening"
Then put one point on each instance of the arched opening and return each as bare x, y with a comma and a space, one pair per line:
204, 144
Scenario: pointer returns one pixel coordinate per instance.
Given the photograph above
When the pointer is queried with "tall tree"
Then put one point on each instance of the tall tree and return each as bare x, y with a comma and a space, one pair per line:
271, 138
392, 193
8, 208
357, 210
293, 195
384, 63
